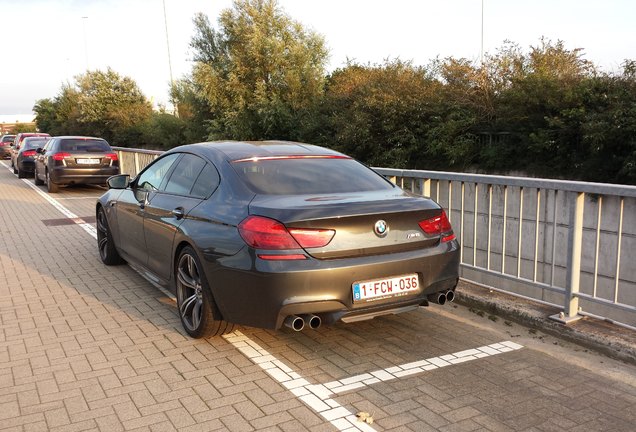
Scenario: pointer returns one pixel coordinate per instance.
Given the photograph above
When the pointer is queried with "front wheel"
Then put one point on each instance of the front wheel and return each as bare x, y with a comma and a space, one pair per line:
197, 310
107, 251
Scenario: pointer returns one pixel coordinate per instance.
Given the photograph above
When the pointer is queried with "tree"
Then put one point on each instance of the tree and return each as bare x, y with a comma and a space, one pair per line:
110, 105
261, 73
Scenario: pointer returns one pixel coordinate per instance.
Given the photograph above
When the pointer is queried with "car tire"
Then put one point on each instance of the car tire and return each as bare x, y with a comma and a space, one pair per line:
36, 179
15, 169
105, 244
197, 310
50, 186
21, 174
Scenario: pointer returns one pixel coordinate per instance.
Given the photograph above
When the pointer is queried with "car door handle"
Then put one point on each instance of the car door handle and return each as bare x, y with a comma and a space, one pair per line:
178, 213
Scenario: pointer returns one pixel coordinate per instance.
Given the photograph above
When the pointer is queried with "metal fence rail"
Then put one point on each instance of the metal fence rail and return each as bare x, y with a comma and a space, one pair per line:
570, 244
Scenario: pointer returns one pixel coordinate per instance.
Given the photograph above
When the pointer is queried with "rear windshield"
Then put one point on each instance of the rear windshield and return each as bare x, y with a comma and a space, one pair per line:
8, 138
84, 145
33, 143
309, 176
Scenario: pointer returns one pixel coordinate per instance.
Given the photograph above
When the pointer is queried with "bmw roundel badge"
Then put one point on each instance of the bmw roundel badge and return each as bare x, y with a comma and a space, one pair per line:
381, 228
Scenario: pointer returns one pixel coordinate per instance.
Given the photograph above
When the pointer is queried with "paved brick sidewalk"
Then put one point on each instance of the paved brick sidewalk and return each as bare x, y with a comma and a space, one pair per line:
89, 347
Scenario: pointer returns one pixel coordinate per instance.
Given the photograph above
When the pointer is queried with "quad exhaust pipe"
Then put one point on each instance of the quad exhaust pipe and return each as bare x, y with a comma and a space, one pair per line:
297, 323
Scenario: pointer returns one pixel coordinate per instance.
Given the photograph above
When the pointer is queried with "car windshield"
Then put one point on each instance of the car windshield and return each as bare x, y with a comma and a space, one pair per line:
300, 176
84, 145
8, 138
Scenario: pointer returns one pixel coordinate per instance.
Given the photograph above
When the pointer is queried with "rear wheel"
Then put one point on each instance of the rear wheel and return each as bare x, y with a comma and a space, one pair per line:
197, 310
107, 251
50, 186
15, 169
21, 173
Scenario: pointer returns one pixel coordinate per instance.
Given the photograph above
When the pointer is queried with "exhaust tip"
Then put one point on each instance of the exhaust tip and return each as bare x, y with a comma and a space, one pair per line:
313, 321
439, 298
294, 322
450, 296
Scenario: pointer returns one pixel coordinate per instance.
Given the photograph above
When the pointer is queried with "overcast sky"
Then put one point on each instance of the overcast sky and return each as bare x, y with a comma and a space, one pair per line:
47, 42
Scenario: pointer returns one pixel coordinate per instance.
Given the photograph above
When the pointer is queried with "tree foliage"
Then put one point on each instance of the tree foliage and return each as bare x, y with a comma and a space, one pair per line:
261, 73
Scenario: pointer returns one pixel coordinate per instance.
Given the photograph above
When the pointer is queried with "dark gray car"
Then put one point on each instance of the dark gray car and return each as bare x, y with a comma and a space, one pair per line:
267, 234
66, 160
23, 159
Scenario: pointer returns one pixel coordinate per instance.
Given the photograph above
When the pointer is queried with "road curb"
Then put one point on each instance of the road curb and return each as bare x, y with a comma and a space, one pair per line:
604, 337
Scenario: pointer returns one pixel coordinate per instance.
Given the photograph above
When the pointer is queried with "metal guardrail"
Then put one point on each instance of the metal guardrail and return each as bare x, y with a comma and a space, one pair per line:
132, 161
568, 244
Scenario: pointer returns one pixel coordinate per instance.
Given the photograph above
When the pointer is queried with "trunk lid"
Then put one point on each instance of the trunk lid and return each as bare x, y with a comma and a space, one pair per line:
354, 217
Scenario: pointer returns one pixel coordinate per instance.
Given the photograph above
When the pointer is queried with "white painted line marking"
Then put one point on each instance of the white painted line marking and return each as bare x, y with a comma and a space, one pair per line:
316, 396
66, 212
412, 368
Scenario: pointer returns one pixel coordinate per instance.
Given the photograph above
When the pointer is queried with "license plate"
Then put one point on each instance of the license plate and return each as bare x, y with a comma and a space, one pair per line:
379, 289
87, 161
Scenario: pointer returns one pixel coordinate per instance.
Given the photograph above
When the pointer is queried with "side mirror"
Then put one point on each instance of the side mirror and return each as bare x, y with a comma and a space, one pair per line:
121, 181
39, 150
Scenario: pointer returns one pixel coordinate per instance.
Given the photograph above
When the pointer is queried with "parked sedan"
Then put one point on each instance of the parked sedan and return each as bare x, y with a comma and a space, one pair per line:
69, 160
5, 146
17, 142
23, 160
267, 234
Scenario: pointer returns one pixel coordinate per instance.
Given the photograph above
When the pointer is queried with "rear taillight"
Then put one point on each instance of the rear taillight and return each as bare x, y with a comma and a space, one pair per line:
438, 225
111, 156
265, 233
29, 153
60, 156
312, 238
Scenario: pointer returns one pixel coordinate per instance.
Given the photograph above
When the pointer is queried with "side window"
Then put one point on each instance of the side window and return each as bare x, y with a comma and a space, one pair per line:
185, 174
153, 176
206, 183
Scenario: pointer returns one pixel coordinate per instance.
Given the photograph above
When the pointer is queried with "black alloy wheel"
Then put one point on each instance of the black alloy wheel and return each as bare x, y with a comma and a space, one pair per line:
197, 310
107, 251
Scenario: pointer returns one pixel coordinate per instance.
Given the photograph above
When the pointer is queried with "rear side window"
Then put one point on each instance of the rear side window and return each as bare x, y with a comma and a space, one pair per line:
185, 174
82, 145
206, 183
300, 176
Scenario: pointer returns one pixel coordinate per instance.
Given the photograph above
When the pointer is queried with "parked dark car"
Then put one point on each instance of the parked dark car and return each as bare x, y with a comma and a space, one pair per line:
23, 160
17, 141
271, 233
69, 160
5, 146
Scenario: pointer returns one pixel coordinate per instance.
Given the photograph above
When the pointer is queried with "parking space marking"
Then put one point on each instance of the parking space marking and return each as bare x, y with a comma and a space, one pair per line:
317, 396
363, 380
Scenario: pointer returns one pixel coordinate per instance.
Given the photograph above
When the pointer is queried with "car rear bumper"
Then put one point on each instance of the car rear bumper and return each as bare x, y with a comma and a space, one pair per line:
26, 165
254, 292
65, 175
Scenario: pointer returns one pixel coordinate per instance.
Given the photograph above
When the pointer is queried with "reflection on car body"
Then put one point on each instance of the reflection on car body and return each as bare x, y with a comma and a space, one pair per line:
275, 233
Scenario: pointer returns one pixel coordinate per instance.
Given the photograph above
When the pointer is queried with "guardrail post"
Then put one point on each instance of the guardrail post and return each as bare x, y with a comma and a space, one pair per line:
575, 240
427, 188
